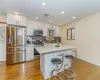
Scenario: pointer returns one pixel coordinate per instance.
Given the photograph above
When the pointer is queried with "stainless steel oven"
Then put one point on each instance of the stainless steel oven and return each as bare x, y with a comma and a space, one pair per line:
37, 43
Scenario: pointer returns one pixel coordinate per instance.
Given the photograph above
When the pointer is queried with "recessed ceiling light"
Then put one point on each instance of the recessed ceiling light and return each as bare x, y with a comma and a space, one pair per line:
74, 17
16, 13
50, 21
43, 3
62, 12
36, 17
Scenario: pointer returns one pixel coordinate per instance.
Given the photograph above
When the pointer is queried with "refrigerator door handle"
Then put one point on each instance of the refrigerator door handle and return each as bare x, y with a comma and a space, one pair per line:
10, 53
20, 46
20, 51
12, 41
17, 47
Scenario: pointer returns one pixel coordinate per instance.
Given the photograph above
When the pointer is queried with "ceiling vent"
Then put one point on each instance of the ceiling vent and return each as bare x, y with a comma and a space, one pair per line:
46, 15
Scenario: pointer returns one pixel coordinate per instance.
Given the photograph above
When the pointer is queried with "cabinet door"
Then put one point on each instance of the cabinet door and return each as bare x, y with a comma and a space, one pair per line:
11, 19
29, 53
22, 21
29, 31
45, 31
57, 31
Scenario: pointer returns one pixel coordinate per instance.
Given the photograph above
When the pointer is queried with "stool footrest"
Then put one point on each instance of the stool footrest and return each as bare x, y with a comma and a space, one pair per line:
72, 74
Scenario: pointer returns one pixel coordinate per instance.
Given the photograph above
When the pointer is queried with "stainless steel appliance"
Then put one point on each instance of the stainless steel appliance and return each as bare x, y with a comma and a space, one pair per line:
37, 43
36, 54
38, 32
16, 44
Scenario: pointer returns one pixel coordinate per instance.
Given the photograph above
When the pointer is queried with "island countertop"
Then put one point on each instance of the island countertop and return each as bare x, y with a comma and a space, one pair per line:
50, 48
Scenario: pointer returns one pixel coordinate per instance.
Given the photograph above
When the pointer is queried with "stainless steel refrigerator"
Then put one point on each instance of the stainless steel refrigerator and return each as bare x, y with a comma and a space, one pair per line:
15, 44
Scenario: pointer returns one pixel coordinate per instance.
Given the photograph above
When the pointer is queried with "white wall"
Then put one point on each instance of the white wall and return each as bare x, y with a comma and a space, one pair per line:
87, 38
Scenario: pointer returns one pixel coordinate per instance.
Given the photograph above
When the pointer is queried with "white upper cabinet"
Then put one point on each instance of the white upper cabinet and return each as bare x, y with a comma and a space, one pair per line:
57, 31
32, 25
45, 30
16, 19
22, 21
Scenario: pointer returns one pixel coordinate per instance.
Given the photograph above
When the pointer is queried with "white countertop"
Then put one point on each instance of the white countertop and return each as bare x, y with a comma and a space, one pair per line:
50, 48
28, 45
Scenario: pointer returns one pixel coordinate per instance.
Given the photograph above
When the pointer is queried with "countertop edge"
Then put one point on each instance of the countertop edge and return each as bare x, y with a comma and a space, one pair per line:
56, 51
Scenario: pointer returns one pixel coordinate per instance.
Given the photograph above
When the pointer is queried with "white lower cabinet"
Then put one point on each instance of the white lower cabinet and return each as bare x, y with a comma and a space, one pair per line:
29, 53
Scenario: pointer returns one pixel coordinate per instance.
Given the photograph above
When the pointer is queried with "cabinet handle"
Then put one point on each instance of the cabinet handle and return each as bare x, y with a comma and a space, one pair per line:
17, 22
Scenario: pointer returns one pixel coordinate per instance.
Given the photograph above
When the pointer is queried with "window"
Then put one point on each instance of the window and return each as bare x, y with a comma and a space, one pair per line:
68, 34
51, 34
71, 34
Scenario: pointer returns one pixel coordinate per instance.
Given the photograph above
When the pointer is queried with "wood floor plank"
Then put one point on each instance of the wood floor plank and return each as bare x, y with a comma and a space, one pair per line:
31, 71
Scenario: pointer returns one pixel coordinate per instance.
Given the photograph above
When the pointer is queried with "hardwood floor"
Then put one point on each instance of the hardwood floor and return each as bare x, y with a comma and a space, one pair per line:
31, 71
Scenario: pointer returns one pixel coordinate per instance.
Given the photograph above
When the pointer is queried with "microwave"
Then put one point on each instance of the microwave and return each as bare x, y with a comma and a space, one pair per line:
38, 32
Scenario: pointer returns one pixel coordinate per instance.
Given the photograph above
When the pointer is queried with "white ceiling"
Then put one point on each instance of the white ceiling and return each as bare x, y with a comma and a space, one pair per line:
34, 8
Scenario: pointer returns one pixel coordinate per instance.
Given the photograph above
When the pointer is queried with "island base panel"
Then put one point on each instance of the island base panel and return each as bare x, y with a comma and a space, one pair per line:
45, 62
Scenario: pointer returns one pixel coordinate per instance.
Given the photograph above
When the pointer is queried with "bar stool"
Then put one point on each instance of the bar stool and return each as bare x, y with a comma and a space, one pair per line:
72, 59
56, 62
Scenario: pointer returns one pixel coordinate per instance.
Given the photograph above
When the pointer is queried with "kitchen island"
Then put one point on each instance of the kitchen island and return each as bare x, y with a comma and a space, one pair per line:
48, 52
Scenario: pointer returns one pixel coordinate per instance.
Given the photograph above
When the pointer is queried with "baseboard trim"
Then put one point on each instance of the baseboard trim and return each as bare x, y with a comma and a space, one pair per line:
2, 63
89, 62
29, 60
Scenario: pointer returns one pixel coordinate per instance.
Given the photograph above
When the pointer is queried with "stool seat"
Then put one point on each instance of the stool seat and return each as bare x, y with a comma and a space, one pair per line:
56, 61
69, 56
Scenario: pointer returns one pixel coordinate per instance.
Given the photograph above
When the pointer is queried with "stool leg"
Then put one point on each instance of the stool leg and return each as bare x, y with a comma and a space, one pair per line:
73, 75
55, 69
58, 73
